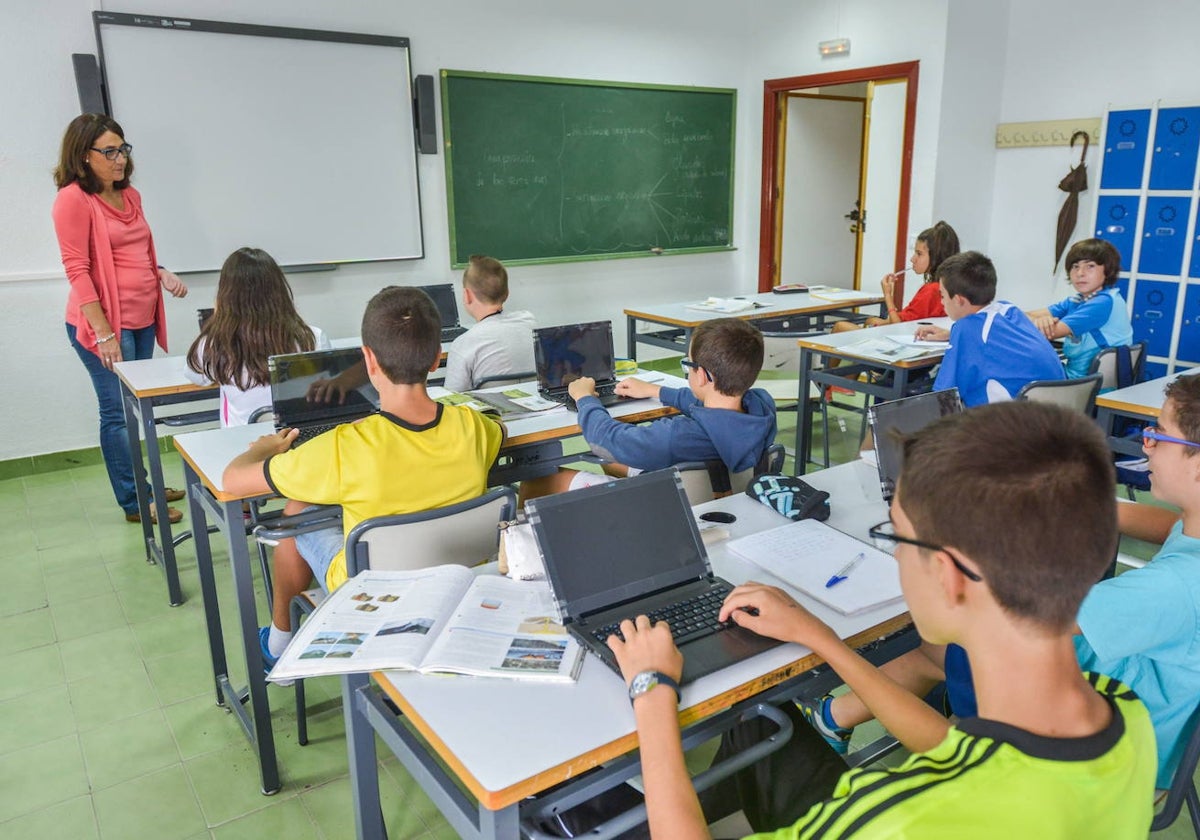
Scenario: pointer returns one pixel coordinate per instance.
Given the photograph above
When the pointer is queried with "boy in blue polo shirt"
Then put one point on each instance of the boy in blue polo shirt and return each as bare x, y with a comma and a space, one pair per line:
995, 349
1093, 318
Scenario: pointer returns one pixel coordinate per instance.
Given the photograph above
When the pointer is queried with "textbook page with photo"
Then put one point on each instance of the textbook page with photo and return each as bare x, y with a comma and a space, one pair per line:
444, 619
508, 404
808, 555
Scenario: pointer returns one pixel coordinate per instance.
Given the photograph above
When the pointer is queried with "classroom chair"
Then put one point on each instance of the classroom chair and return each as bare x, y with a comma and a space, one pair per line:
704, 481
506, 379
1078, 394
1119, 372
1183, 784
465, 533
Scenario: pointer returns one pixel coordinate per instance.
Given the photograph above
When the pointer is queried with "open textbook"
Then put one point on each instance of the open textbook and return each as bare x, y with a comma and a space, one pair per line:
727, 306
440, 619
808, 554
508, 404
888, 349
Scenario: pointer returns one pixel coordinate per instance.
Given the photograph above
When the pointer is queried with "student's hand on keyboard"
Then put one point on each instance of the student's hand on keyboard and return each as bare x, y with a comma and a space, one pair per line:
769, 611
646, 648
582, 387
636, 389
273, 444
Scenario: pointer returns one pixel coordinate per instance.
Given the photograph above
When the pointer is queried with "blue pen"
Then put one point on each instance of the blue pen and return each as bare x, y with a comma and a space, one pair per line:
844, 572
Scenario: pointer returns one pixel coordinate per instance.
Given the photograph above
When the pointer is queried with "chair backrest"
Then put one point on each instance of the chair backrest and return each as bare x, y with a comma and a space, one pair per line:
704, 481
261, 412
1183, 785
1107, 364
781, 353
1078, 394
463, 533
506, 379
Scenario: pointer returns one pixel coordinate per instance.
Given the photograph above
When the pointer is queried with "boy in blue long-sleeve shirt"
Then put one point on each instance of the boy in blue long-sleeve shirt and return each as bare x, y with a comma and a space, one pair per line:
720, 416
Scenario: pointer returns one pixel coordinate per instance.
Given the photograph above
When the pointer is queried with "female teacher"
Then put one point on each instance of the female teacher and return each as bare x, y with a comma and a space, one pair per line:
115, 307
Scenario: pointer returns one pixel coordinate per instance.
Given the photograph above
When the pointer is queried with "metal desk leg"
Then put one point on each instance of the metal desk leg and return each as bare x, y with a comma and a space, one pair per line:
364, 765
631, 337
164, 549
804, 416
132, 409
208, 582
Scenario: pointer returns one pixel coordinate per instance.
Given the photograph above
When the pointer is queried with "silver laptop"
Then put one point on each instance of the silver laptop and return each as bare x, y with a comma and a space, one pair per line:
569, 352
891, 421
630, 548
292, 379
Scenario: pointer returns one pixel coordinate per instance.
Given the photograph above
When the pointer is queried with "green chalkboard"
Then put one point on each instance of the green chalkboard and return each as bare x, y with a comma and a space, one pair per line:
544, 170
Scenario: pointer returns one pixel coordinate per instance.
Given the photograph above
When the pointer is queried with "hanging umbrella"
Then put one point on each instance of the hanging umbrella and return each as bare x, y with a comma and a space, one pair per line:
1073, 184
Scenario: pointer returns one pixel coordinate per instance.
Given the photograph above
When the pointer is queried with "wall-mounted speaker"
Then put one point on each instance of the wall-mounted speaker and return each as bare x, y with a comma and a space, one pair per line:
87, 83
423, 107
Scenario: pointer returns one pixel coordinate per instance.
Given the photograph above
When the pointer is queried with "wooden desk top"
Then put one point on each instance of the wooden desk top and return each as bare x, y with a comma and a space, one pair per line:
678, 314
564, 730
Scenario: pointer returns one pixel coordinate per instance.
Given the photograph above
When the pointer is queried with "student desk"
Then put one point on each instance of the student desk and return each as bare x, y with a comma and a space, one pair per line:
1142, 401
148, 384
678, 321
893, 378
509, 742
205, 455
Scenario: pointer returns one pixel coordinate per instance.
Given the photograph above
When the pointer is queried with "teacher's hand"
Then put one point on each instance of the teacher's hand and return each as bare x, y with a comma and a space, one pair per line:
171, 282
109, 351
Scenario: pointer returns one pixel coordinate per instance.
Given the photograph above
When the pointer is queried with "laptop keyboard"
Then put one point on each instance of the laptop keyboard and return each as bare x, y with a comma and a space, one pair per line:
607, 394
451, 333
688, 620
307, 433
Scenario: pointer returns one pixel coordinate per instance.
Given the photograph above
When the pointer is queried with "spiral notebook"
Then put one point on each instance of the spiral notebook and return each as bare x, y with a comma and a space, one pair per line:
806, 554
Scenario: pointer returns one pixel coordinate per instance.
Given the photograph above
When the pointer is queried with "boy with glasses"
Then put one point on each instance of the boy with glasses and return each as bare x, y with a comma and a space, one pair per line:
987, 563
720, 416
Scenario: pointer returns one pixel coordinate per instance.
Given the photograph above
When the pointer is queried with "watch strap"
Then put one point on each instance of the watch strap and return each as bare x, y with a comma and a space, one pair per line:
635, 691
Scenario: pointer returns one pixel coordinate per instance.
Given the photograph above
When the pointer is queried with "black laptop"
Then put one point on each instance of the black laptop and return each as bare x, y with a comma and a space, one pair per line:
292, 378
564, 354
631, 548
446, 300
891, 420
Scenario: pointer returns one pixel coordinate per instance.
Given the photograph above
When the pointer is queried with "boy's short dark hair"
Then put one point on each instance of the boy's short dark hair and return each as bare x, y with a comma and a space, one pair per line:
487, 278
731, 350
971, 275
992, 482
1100, 252
404, 330
1184, 394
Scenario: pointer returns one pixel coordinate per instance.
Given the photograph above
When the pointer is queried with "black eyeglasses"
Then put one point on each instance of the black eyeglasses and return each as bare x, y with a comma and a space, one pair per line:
111, 152
688, 364
887, 531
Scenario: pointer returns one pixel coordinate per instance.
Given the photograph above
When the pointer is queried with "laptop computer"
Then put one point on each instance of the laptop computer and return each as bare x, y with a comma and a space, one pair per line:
446, 300
566, 353
630, 548
293, 374
890, 421
202, 315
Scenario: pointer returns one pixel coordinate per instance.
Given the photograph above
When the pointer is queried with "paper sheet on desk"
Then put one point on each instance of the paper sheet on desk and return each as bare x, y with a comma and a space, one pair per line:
832, 294
726, 305
913, 341
806, 554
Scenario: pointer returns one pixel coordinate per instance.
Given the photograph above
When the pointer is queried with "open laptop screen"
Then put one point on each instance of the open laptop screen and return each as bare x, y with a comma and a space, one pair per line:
446, 301
890, 421
613, 542
293, 374
564, 354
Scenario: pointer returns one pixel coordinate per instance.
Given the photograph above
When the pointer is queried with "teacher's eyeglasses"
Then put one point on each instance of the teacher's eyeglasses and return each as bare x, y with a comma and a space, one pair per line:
111, 152
887, 531
1151, 435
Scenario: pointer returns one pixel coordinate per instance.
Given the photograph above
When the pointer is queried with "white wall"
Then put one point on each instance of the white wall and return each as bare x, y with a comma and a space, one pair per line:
665, 41
1068, 60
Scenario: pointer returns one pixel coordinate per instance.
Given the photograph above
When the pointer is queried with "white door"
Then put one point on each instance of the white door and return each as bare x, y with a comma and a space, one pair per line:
820, 185
885, 151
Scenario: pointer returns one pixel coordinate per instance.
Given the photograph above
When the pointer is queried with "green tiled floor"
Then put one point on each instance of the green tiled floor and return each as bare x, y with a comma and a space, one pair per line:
110, 729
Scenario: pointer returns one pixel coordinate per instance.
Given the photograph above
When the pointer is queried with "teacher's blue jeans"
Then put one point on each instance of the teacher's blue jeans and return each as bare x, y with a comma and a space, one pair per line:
114, 440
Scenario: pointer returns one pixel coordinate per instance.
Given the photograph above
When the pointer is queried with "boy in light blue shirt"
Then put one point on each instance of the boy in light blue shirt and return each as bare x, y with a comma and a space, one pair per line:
1093, 318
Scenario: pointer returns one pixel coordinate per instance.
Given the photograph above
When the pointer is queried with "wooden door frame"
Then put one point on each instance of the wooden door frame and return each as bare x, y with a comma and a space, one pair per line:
772, 88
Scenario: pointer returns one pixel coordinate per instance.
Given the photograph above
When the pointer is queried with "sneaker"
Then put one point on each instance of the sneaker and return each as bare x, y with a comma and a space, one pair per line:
268, 660
816, 712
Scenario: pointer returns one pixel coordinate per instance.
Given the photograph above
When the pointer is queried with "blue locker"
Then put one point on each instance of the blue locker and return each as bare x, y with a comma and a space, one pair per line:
1116, 221
1176, 142
1194, 267
1163, 235
1125, 149
1189, 329
1123, 286
1153, 370
1154, 314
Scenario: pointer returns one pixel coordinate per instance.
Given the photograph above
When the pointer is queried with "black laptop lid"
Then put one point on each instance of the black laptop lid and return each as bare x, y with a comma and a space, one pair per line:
294, 373
615, 542
564, 354
890, 421
446, 301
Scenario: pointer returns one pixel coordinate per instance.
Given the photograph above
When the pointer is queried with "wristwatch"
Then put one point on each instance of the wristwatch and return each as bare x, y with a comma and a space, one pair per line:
647, 680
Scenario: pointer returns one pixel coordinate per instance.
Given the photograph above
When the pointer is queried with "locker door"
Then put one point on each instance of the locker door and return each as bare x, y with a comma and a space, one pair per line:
1116, 220
1125, 149
1154, 314
1194, 266
1163, 235
1176, 142
1189, 329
